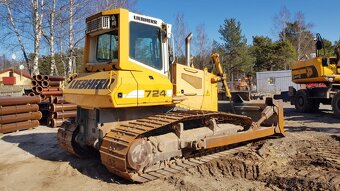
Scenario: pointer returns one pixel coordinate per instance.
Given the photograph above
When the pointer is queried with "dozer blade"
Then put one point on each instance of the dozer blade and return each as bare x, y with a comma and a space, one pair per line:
145, 150
257, 110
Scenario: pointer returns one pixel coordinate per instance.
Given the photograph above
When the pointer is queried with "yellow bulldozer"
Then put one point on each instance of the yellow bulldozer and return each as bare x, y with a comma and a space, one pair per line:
321, 79
148, 116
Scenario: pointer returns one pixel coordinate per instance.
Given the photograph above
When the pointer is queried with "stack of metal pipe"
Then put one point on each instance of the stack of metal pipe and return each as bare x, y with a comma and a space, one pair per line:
47, 86
53, 107
61, 111
18, 113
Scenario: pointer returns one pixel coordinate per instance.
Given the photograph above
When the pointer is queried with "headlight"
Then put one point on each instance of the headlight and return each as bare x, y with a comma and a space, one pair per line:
330, 79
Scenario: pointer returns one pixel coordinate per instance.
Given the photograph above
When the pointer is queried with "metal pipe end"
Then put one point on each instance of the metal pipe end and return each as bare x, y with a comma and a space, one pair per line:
39, 77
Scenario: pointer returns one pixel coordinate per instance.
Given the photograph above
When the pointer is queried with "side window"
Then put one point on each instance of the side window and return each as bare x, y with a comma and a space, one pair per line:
107, 47
145, 44
271, 81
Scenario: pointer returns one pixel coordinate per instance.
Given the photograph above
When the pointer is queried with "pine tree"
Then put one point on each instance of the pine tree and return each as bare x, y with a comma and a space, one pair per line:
235, 53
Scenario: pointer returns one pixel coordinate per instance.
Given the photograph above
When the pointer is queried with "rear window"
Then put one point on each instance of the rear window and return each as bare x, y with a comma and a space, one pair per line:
107, 46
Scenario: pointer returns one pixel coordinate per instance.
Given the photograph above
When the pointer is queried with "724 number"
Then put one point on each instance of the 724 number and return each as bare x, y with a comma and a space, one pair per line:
155, 93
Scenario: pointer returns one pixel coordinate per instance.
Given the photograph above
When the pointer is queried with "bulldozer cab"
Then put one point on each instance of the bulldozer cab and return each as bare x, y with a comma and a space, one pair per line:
122, 40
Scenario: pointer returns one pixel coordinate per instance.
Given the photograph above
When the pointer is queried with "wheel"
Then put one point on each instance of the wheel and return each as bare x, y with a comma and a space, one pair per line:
336, 104
303, 104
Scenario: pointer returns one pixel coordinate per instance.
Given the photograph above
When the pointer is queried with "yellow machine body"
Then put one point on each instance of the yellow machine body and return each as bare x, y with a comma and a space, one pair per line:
196, 88
193, 89
142, 111
125, 82
316, 70
322, 78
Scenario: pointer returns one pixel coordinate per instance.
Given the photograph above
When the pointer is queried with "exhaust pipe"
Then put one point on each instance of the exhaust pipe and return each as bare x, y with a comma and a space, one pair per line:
187, 48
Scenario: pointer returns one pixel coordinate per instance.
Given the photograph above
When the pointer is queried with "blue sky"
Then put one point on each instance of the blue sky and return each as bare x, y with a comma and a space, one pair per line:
256, 16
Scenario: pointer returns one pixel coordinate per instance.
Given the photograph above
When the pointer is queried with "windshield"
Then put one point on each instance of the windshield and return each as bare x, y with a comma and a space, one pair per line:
107, 46
145, 44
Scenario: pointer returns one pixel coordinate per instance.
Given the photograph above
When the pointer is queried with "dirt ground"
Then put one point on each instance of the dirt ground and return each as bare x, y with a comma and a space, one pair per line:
308, 158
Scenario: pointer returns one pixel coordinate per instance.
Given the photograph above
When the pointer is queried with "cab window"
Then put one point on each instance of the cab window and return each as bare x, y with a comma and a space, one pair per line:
107, 46
145, 44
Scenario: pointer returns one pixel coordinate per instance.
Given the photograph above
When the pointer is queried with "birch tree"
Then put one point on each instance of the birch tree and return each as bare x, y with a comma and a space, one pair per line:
78, 11
113, 4
60, 22
69, 68
298, 32
305, 39
49, 35
72, 23
54, 69
38, 14
280, 22
13, 26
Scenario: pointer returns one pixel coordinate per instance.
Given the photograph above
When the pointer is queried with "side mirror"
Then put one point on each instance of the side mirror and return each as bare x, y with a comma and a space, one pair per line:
171, 58
319, 45
171, 47
164, 36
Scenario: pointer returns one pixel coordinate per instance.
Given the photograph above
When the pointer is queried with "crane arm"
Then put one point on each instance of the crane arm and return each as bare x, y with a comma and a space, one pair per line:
221, 73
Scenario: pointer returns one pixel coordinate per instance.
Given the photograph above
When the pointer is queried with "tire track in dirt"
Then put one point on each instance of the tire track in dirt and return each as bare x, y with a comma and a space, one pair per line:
300, 161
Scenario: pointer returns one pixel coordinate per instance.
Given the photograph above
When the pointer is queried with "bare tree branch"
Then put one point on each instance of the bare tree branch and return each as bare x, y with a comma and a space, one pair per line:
180, 32
203, 46
16, 31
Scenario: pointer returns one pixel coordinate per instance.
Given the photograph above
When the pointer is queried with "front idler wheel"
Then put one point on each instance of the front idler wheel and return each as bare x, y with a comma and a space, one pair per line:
139, 154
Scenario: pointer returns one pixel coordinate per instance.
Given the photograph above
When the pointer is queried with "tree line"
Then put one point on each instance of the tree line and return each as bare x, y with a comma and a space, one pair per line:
56, 28
295, 41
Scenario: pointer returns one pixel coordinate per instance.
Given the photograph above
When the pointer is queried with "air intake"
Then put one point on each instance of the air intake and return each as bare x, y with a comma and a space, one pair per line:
98, 24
